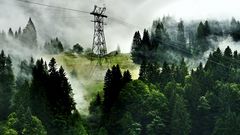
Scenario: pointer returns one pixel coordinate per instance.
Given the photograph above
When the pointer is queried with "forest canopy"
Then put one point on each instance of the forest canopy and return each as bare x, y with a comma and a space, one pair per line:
169, 97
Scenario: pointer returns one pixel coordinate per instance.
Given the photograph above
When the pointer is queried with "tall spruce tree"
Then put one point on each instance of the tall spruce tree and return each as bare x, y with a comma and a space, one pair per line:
137, 50
180, 124
107, 104
6, 84
180, 35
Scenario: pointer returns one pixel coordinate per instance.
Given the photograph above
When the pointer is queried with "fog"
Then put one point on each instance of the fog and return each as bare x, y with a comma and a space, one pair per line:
125, 17
73, 27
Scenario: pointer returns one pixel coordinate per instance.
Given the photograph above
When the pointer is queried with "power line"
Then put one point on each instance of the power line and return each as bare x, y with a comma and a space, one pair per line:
81, 11
51, 6
112, 18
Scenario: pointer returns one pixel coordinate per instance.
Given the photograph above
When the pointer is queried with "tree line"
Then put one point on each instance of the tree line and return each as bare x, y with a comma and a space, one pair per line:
38, 101
170, 99
171, 40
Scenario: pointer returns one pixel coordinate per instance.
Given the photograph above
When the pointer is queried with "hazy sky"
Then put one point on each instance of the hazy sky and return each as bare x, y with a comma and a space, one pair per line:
73, 27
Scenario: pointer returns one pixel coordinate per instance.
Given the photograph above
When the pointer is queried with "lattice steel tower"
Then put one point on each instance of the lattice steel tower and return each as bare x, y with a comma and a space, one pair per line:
99, 43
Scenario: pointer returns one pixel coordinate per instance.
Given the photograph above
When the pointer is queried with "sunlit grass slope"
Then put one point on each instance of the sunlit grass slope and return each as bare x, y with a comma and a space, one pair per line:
89, 74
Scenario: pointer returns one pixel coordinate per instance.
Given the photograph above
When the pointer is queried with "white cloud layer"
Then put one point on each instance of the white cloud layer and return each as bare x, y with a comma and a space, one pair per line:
73, 27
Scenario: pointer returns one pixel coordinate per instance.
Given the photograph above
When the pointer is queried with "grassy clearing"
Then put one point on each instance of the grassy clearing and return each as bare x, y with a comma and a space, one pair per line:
89, 74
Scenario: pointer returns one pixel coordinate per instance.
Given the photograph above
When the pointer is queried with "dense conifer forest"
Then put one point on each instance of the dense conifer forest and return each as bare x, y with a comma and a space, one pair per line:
171, 96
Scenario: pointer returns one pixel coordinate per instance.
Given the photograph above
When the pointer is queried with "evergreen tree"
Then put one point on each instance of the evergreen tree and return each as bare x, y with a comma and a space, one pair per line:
180, 124
55, 46
165, 75
227, 124
156, 126
38, 93
137, 52
51, 97
202, 43
107, 91
29, 35
228, 52
203, 112
207, 30
78, 49
10, 32
147, 46
146, 41
143, 72
126, 77
157, 36
6, 84
180, 35
23, 123
183, 71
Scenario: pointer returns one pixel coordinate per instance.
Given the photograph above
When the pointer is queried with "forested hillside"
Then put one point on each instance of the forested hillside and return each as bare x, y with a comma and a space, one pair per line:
169, 95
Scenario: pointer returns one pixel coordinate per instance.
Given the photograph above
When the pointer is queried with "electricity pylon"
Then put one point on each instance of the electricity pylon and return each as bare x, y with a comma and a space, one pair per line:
99, 43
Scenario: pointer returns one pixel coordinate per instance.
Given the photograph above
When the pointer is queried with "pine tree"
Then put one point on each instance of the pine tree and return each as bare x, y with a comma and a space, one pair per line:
227, 124
180, 124
24, 123
107, 91
66, 102
227, 61
136, 50
10, 32
6, 85
183, 71
207, 30
126, 77
203, 112
165, 75
228, 52
146, 46
29, 35
38, 93
146, 41
143, 72
157, 36
180, 35
116, 82
200, 31
202, 44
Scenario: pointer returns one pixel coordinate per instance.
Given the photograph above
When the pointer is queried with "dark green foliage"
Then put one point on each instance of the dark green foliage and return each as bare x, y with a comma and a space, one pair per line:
104, 111
112, 87
107, 91
126, 77
25, 72
136, 52
6, 85
156, 127
22, 122
22, 97
139, 96
203, 31
51, 97
181, 35
228, 124
166, 74
207, 30
78, 49
55, 46
95, 110
180, 120
149, 72
235, 29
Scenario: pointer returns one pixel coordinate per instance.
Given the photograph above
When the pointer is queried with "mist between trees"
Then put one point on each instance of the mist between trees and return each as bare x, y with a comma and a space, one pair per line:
188, 84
